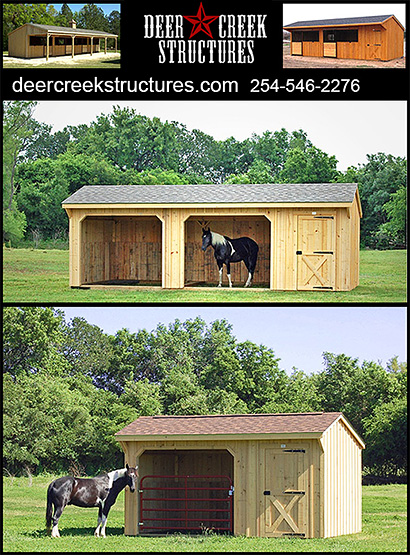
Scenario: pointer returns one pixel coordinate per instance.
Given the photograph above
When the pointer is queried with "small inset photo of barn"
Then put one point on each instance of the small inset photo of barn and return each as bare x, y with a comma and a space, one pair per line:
266, 475
372, 38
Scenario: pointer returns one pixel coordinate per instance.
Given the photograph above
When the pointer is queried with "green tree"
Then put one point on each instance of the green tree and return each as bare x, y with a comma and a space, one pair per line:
32, 337
381, 177
18, 130
385, 432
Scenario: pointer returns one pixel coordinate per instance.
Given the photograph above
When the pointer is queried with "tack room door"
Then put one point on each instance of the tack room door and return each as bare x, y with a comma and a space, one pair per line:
315, 253
286, 492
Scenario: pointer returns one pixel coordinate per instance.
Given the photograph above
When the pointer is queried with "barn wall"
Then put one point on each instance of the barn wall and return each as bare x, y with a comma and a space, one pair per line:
18, 43
120, 249
201, 267
276, 229
246, 460
342, 488
393, 45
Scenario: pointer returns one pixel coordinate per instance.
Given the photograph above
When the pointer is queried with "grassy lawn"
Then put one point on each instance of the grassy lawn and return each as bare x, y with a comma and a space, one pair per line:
41, 276
384, 527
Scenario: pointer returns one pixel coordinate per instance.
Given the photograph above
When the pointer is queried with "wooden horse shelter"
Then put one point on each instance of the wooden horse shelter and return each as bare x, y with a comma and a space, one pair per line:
266, 475
33, 40
132, 235
359, 38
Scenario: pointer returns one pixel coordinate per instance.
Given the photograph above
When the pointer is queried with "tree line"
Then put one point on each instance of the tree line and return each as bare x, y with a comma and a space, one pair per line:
42, 168
88, 17
69, 386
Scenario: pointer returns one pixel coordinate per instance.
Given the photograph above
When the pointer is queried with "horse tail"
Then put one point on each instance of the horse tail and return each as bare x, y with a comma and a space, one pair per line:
49, 509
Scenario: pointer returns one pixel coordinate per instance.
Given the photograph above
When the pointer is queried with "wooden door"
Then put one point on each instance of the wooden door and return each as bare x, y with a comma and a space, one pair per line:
286, 491
375, 48
315, 253
329, 49
296, 49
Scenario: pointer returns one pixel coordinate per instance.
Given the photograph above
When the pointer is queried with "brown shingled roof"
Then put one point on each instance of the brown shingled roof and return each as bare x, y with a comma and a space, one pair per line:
311, 422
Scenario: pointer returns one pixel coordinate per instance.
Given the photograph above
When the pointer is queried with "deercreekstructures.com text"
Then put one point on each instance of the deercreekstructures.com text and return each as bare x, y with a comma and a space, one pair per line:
117, 85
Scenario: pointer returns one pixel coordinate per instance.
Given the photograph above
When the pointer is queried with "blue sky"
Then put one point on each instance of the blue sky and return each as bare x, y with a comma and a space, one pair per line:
297, 335
107, 8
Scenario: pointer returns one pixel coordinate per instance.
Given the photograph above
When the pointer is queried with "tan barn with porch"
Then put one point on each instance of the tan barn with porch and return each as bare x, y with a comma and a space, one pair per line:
134, 235
266, 475
33, 40
360, 38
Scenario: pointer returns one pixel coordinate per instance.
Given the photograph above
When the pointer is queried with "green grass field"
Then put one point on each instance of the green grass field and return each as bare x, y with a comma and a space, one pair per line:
384, 527
41, 276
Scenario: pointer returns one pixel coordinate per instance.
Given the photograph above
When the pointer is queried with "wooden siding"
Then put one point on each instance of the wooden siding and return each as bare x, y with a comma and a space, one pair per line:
179, 260
327, 470
249, 465
201, 267
375, 42
342, 489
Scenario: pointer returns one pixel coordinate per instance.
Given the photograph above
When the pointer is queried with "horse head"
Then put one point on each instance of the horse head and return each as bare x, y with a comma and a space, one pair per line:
132, 477
206, 238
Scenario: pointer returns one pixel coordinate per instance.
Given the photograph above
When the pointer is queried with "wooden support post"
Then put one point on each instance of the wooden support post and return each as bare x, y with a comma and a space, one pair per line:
116, 45
72, 46
48, 47
92, 39
105, 45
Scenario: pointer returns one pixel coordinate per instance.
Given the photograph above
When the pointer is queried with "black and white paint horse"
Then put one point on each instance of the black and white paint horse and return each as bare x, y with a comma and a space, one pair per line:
228, 250
101, 492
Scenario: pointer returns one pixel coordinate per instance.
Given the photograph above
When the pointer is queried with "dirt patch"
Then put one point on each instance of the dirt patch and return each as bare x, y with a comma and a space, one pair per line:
327, 63
63, 61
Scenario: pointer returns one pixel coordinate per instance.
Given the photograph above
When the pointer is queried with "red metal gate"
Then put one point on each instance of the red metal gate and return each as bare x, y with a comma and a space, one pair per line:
179, 503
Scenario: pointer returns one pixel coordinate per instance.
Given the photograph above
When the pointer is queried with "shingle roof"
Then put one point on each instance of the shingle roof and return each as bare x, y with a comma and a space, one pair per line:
214, 194
71, 31
292, 423
341, 21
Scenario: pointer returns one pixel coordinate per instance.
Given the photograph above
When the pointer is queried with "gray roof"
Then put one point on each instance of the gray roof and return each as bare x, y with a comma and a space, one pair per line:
341, 21
214, 194
70, 30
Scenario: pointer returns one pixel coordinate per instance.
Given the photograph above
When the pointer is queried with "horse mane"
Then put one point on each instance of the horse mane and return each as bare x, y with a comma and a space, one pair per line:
217, 239
115, 475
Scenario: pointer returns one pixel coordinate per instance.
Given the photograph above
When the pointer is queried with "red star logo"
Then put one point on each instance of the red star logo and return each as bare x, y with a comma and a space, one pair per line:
201, 22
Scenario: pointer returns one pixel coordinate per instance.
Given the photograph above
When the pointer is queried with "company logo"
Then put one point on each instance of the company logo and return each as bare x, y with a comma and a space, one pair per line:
230, 39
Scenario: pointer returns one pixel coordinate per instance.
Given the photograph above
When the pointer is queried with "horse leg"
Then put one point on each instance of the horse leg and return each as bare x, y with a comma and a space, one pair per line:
228, 269
57, 513
97, 530
105, 511
220, 266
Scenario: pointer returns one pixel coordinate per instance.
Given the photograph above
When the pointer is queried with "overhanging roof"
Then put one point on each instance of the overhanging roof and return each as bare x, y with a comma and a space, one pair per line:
54, 30
240, 426
364, 20
315, 193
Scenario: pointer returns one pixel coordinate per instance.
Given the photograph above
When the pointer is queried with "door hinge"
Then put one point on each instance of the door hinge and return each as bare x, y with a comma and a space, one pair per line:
294, 534
294, 450
296, 492
323, 217
322, 252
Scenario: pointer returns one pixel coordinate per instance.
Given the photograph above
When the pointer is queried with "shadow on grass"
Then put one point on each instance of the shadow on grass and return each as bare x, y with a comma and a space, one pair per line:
64, 532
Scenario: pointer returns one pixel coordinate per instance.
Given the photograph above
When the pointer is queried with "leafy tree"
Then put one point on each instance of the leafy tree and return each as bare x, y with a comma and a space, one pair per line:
308, 166
31, 340
18, 129
385, 431
92, 16
381, 177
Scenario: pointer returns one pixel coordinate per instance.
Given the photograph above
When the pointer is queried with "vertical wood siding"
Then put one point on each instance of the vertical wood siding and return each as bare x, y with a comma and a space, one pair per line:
342, 495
